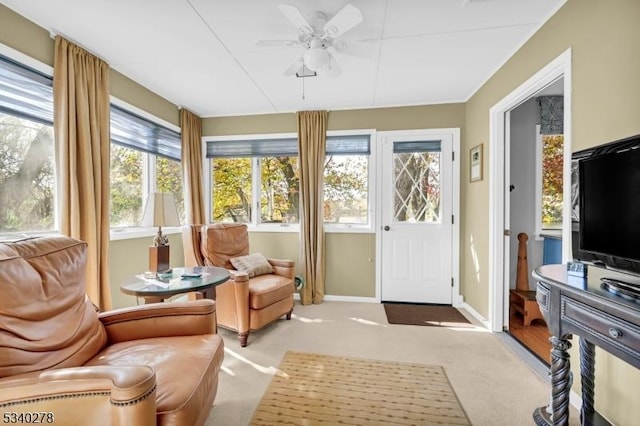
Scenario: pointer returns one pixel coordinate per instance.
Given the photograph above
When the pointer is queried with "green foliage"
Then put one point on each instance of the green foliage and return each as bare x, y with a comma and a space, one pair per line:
126, 186
26, 175
231, 190
346, 189
169, 179
552, 176
345, 193
279, 197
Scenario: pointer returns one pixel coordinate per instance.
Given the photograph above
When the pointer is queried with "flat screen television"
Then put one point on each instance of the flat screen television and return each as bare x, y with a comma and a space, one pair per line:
606, 205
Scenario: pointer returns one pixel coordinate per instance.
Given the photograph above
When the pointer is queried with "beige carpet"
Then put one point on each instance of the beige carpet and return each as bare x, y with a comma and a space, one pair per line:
314, 389
494, 386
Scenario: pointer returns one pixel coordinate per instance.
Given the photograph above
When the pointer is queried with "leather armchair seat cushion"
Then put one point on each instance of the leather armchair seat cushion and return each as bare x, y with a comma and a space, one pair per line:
265, 290
186, 369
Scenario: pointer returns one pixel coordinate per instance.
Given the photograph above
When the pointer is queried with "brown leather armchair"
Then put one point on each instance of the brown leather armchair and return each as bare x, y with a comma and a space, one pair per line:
62, 360
243, 304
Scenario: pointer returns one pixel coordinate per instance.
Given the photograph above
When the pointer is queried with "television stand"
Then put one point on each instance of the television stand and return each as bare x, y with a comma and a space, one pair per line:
579, 306
621, 288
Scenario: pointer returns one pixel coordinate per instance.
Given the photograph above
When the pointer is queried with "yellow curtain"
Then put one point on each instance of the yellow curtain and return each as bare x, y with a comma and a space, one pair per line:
82, 145
191, 130
312, 140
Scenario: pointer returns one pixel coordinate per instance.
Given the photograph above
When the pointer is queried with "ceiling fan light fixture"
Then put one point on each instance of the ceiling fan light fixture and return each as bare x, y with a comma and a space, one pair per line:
316, 58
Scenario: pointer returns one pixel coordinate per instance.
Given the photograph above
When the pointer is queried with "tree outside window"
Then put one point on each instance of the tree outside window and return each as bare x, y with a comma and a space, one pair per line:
126, 186
346, 179
27, 180
552, 178
169, 179
257, 180
231, 195
280, 190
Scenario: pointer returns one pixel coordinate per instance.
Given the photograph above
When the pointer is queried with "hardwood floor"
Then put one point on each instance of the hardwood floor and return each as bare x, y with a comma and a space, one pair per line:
534, 337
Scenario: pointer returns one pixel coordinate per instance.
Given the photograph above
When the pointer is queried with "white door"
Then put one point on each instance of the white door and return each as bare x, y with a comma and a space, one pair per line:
417, 216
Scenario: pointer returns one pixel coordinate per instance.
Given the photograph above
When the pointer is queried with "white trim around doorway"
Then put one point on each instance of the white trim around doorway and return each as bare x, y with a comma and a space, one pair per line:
559, 67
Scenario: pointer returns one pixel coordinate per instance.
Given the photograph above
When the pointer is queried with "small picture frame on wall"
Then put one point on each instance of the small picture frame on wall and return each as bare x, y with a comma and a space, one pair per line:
475, 163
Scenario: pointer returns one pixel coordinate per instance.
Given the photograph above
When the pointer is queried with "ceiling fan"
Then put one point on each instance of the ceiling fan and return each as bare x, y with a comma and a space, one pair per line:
318, 35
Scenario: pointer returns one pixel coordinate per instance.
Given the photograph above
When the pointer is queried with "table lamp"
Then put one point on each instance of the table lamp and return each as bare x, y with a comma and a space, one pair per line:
160, 210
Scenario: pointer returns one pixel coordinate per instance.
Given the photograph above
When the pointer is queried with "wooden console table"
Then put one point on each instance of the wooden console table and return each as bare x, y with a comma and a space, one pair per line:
575, 305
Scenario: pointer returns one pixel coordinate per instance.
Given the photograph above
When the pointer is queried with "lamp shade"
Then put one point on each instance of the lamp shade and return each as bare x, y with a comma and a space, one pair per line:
160, 210
316, 58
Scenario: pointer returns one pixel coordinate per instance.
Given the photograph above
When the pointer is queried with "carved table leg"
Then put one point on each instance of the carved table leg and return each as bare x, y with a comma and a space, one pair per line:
560, 380
587, 368
557, 413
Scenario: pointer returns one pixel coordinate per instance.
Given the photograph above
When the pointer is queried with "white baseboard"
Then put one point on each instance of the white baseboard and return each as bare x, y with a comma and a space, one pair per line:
485, 323
575, 400
330, 298
458, 301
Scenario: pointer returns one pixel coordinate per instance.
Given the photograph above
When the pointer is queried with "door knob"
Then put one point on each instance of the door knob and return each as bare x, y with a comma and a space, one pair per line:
386, 228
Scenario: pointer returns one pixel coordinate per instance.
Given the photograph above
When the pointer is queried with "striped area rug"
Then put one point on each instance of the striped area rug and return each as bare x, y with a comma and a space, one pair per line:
314, 389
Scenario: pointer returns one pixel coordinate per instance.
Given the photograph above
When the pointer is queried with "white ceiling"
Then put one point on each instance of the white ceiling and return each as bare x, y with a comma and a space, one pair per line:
202, 54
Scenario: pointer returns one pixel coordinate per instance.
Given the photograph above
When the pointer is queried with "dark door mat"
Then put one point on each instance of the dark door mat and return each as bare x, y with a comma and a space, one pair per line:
421, 314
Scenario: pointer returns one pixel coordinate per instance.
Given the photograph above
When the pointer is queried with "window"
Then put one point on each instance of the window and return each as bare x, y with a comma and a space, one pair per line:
549, 168
260, 173
346, 180
256, 181
145, 158
416, 182
27, 173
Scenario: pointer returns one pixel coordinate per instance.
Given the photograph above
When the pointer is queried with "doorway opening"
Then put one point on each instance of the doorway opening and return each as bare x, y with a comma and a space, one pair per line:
513, 153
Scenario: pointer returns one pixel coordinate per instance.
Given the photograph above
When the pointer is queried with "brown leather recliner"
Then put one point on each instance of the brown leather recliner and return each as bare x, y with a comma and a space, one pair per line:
243, 304
63, 361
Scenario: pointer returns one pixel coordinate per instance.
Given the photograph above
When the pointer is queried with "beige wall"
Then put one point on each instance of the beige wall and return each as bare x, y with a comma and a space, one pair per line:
605, 42
350, 258
410, 117
131, 257
26, 37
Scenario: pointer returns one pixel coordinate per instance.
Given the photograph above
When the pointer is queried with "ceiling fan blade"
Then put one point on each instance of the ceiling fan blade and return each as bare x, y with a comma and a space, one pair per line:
293, 14
347, 18
294, 67
277, 43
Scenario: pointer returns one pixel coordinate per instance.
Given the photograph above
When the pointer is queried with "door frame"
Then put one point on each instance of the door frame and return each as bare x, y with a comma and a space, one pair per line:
456, 298
498, 284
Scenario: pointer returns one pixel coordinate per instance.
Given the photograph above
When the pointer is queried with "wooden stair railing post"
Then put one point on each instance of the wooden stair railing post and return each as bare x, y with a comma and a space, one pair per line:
522, 299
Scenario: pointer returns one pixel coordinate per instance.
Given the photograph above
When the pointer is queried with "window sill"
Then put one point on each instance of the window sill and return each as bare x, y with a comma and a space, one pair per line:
139, 232
328, 228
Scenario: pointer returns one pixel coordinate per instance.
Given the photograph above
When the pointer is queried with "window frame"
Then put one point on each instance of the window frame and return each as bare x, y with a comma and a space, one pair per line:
369, 227
47, 70
539, 230
148, 178
254, 225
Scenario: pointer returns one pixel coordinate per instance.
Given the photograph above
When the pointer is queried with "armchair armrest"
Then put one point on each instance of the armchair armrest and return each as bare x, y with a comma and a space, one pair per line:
283, 267
238, 276
160, 320
285, 263
100, 395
